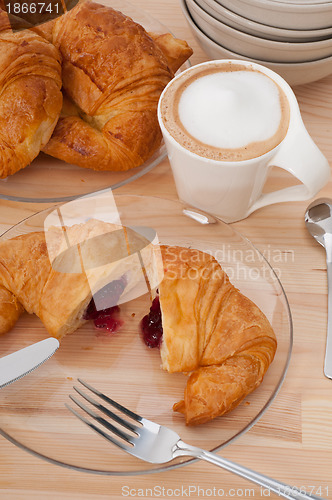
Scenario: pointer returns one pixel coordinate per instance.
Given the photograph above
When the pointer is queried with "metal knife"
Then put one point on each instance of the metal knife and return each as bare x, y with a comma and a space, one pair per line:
20, 363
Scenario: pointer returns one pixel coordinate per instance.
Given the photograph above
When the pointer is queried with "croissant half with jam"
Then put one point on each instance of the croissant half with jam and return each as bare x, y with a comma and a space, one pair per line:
211, 331
41, 274
113, 74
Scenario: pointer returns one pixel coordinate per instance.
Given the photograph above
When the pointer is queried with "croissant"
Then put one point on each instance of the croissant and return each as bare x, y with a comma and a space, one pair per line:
30, 97
113, 75
41, 274
212, 331
10, 310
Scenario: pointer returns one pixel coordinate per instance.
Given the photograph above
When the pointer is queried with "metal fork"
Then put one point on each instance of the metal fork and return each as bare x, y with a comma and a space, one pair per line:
158, 444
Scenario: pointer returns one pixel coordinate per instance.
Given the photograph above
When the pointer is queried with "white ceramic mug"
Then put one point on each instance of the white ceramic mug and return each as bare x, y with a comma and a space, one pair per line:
232, 190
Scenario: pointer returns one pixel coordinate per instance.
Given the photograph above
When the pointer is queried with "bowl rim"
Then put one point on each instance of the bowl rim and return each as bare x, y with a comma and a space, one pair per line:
256, 40
273, 65
241, 20
284, 7
302, 2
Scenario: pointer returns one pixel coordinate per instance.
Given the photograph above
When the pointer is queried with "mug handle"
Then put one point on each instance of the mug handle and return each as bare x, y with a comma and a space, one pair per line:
299, 156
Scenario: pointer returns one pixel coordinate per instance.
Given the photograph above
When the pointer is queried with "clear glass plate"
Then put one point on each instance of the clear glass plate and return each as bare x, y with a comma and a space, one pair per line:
32, 410
50, 180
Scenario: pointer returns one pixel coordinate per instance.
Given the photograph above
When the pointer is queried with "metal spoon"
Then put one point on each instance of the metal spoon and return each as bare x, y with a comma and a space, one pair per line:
318, 219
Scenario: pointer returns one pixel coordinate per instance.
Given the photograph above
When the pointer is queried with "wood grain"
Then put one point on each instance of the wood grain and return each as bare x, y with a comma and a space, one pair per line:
292, 442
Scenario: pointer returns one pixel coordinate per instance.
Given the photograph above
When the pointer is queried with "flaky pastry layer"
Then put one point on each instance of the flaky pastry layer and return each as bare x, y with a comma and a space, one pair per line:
213, 331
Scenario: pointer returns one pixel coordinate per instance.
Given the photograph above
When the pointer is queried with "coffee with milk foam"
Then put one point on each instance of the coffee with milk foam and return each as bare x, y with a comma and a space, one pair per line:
226, 112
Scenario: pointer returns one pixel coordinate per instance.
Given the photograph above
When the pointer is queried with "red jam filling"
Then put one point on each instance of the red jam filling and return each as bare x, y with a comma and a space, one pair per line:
107, 316
151, 325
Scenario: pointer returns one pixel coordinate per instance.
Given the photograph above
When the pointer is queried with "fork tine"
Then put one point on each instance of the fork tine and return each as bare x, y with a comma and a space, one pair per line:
98, 430
110, 401
102, 421
119, 420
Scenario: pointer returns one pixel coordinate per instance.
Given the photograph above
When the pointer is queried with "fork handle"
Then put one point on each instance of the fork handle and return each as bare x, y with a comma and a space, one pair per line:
281, 489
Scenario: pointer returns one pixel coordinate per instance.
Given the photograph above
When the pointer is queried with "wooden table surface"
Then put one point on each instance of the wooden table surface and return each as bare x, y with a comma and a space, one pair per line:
293, 440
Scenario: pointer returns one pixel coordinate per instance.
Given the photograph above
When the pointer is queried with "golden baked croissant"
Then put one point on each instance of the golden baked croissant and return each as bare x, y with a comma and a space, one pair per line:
60, 293
113, 74
30, 98
10, 310
213, 331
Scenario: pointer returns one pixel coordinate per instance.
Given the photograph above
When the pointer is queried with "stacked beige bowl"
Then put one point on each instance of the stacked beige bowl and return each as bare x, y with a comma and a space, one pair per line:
292, 37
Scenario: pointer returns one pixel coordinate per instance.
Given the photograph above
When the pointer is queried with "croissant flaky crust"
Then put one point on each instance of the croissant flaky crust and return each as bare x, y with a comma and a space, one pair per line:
30, 97
113, 75
10, 310
213, 331
26, 272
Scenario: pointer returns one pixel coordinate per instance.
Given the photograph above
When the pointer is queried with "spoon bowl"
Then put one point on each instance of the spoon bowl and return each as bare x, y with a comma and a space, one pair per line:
318, 220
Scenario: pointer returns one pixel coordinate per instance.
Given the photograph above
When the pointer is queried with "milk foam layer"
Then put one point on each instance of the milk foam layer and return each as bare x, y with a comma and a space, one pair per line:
231, 109
226, 112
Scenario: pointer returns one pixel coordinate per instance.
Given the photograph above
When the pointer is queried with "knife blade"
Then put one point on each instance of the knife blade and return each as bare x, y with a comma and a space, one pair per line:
20, 363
